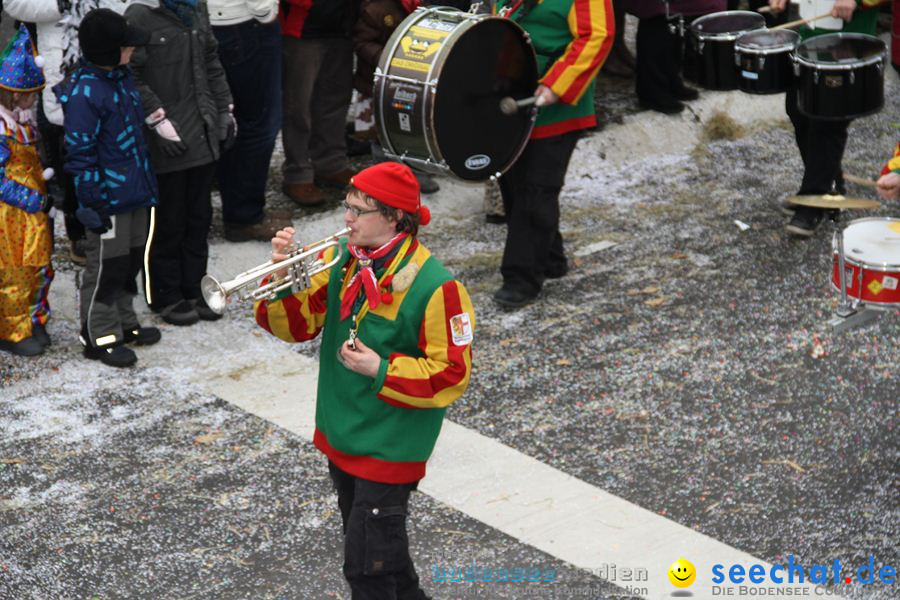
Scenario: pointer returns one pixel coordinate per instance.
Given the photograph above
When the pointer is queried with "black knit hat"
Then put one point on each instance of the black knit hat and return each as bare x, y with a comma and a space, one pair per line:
102, 35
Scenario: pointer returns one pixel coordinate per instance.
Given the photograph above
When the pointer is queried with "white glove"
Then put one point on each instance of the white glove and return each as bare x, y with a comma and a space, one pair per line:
162, 126
48, 174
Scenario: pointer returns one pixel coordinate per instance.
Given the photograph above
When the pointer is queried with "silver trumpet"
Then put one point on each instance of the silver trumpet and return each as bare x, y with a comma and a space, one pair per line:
301, 264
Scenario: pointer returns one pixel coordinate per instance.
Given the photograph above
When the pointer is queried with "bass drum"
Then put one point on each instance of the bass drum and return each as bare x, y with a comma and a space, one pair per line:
840, 75
438, 88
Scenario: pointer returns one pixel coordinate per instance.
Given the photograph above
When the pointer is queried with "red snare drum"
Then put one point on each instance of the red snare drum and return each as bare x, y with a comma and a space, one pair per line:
872, 261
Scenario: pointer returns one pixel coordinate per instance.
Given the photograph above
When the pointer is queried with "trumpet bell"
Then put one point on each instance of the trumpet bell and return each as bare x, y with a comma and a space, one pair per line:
214, 294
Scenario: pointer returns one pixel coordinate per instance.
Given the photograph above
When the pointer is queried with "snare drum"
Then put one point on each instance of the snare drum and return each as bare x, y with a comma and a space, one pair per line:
710, 52
438, 88
871, 261
840, 75
763, 58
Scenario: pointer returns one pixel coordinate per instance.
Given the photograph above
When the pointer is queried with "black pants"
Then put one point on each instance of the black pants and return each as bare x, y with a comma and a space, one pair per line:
251, 55
659, 59
62, 186
821, 144
531, 199
178, 245
377, 564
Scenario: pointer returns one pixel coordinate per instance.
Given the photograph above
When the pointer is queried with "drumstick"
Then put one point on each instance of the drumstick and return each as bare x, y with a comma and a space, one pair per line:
510, 106
764, 9
860, 180
800, 22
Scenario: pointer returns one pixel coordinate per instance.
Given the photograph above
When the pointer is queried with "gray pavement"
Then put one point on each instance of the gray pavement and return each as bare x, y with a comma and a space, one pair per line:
688, 369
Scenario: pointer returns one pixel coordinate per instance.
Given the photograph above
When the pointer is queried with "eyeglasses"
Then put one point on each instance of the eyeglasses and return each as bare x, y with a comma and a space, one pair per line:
355, 210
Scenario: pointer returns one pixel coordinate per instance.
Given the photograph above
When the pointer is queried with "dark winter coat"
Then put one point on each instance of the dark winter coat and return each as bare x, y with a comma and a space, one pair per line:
377, 21
311, 19
105, 149
180, 71
651, 8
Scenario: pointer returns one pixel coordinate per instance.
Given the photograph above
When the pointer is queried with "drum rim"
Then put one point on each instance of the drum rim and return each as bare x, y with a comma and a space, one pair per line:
882, 266
789, 46
830, 66
837, 289
729, 36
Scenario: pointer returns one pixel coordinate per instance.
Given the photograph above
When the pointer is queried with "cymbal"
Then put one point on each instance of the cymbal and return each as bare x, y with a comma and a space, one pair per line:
833, 201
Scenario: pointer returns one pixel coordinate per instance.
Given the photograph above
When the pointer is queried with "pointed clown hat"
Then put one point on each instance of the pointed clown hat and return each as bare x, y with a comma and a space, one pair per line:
20, 66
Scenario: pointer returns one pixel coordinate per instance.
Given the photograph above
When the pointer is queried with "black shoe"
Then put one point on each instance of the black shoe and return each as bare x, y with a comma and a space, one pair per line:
556, 271
263, 231
684, 93
667, 106
142, 336
113, 356
39, 332
358, 147
427, 184
508, 297
787, 208
30, 346
806, 220
204, 311
76, 252
180, 313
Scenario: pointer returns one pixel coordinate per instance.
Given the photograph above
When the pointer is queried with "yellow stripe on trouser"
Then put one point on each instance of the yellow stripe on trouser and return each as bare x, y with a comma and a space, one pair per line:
16, 289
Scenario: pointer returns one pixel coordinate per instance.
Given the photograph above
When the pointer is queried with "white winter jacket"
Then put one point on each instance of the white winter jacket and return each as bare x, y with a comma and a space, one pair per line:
232, 12
57, 38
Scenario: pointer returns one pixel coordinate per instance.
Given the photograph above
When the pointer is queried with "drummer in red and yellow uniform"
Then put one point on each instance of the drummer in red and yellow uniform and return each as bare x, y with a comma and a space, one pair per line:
821, 143
888, 184
572, 38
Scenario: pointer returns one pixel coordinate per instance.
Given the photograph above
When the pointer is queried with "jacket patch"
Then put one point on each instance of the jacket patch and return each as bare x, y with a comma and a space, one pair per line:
461, 329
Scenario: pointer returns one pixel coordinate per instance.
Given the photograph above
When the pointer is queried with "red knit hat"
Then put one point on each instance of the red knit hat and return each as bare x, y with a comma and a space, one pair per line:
395, 185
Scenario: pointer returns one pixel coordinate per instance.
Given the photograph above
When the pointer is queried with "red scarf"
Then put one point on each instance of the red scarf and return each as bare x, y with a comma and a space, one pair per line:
365, 276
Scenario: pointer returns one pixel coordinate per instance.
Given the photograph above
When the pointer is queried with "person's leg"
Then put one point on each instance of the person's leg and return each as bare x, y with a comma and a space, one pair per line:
652, 74
104, 277
198, 216
377, 563
333, 90
15, 319
251, 55
302, 60
166, 238
531, 195
136, 222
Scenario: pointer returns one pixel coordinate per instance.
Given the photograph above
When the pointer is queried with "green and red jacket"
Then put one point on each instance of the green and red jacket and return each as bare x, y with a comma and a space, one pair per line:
383, 429
893, 165
572, 38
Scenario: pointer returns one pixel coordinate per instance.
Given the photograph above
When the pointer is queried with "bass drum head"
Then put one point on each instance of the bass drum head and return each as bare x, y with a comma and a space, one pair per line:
841, 49
489, 61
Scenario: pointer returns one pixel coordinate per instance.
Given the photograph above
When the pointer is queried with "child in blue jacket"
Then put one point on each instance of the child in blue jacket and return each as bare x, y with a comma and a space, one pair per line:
107, 156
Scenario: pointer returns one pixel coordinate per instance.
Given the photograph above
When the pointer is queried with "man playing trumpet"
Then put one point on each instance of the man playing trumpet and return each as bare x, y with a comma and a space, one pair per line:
396, 351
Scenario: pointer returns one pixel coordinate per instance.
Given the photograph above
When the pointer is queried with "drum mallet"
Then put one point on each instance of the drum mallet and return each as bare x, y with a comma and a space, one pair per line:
510, 106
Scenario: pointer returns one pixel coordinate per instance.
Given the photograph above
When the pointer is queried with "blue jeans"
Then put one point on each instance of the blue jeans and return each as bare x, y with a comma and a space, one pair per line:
250, 52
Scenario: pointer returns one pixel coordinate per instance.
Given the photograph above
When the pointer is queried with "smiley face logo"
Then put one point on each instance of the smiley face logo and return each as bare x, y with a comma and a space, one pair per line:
682, 573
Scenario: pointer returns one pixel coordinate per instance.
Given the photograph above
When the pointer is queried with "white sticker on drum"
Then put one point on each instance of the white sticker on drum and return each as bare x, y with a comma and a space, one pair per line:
749, 75
404, 122
476, 162
889, 283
